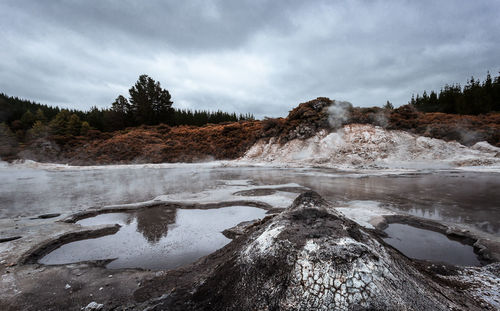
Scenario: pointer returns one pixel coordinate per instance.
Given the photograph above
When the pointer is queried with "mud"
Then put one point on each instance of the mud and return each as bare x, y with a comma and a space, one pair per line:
10, 238
171, 205
269, 191
306, 257
34, 255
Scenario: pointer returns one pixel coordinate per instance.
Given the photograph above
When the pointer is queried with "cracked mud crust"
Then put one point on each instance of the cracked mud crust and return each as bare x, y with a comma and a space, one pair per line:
307, 258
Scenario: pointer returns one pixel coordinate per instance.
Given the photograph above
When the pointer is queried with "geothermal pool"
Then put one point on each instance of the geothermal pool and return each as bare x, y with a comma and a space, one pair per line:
462, 197
162, 238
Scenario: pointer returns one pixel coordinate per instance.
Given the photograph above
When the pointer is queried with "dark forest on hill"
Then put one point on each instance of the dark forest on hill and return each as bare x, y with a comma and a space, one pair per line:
148, 104
474, 98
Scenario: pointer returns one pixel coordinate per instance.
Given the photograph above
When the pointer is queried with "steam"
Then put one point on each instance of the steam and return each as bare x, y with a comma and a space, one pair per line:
380, 118
70, 188
339, 113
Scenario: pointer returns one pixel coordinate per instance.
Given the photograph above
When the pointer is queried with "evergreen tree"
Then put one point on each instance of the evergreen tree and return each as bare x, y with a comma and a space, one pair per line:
74, 125
59, 124
27, 119
85, 128
40, 116
8, 141
388, 105
474, 98
149, 102
38, 130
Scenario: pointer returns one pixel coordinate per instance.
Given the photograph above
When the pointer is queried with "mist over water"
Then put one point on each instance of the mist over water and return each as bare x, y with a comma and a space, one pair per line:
456, 196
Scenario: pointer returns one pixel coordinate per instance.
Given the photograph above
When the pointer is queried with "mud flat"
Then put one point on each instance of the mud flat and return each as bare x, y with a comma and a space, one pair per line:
305, 257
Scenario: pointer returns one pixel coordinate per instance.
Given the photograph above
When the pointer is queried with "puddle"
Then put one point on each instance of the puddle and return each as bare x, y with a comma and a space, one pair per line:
155, 238
429, 245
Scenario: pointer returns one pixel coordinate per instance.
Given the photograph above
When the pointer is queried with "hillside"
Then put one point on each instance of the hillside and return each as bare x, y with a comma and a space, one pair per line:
162, 143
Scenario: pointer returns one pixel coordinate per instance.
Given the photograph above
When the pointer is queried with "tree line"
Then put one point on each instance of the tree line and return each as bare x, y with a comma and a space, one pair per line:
148, 104
474, 98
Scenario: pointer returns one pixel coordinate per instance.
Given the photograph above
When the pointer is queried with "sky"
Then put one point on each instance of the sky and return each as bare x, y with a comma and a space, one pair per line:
256, 56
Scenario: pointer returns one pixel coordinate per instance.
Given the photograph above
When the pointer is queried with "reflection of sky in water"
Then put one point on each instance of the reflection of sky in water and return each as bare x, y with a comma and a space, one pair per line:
462, 197
429, 245
156, 238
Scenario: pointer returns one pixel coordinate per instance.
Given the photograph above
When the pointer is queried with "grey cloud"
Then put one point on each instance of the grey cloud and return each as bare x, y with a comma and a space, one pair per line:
246, 56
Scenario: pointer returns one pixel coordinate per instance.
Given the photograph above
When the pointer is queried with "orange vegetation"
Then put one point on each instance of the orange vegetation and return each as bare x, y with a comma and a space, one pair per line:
155, 144
162, 143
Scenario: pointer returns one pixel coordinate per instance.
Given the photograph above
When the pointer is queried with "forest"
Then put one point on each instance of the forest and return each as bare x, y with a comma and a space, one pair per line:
474, 98
148, 104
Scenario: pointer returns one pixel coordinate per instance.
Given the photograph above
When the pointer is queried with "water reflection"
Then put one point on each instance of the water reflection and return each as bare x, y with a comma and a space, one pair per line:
153, 223
429, 245
453, 196
144, 241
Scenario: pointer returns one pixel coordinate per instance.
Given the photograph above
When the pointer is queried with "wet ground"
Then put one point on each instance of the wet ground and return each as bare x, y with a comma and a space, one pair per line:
57, 215
461, 197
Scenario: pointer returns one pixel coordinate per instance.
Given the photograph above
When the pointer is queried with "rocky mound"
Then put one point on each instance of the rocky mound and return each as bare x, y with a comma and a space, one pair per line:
307, 119
309, 257
367, 145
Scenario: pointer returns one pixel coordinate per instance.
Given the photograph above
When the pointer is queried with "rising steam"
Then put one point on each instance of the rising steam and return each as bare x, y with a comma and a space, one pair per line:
339, 113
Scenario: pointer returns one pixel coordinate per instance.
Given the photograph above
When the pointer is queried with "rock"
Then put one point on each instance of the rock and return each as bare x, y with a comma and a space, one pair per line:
67, 286
309, 257
94, 306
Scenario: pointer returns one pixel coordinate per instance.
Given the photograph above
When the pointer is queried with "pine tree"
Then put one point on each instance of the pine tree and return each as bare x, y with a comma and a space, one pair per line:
74, 125
388, 106
27, 119
149, 102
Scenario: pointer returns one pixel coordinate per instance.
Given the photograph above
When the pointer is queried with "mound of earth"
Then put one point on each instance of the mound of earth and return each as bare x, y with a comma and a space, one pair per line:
308, 257
362, 145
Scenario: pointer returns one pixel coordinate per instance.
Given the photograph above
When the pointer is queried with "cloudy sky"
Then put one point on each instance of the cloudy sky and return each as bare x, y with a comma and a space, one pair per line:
255, 56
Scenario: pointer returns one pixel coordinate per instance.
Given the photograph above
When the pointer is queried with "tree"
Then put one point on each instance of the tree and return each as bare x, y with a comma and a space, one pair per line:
40, 116
38, 130
95, 118
65, 123
85, 128
149, 102
27, 119
58, 125
74, 125
388, 106
120, 114
121, 105
8, 141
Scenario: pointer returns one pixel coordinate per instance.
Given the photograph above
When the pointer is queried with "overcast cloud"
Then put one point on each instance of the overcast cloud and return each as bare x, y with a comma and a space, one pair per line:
255, 56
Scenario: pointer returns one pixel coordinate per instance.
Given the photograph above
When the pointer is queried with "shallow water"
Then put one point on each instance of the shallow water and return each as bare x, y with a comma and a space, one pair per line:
454, 196
155, 238
429, 245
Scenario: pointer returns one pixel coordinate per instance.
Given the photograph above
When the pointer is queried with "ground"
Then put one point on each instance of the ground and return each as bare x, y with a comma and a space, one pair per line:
306, 256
